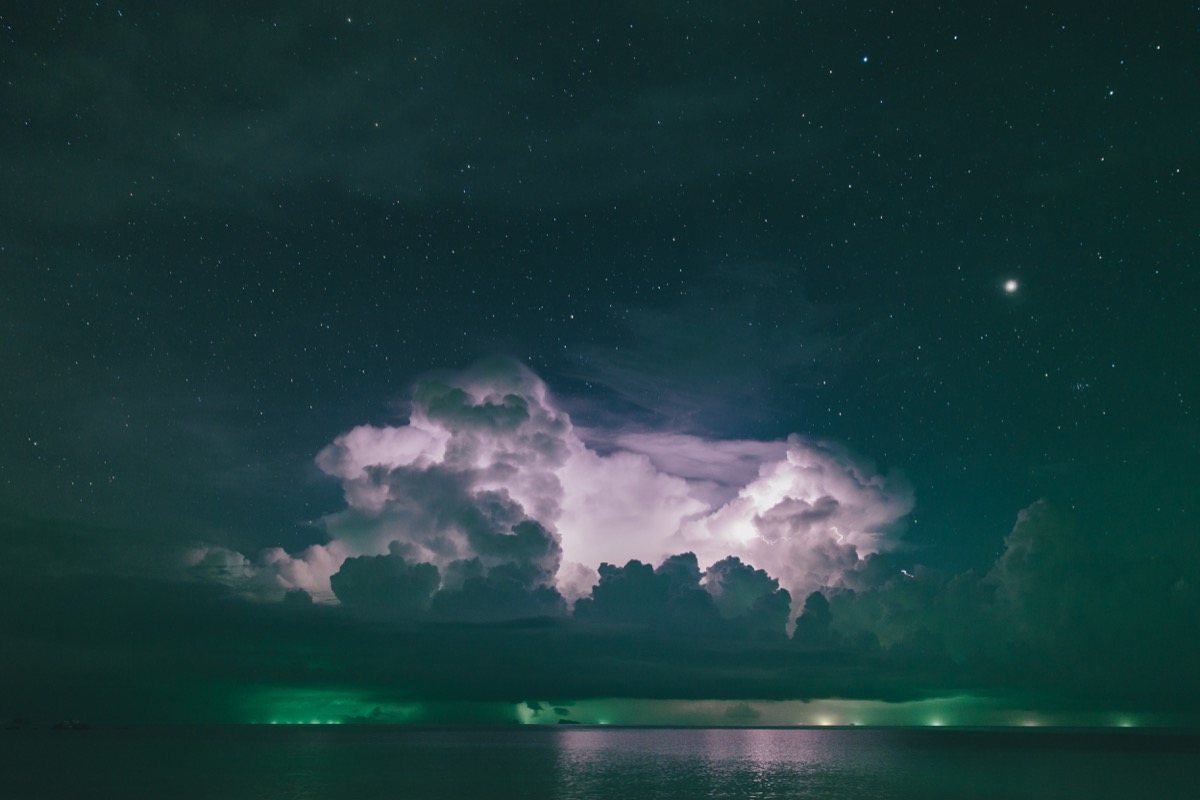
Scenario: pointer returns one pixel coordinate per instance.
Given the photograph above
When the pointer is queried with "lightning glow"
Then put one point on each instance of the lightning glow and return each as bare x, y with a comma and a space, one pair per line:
494, 434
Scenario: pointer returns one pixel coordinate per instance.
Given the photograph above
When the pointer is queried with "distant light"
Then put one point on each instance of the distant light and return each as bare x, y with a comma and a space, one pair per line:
1011, 286
866, 59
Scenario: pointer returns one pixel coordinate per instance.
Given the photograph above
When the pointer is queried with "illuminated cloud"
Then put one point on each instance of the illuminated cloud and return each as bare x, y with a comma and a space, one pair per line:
805, 518
488, 470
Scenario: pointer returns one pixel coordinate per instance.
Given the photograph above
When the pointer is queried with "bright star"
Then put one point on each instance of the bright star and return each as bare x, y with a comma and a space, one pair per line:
1010, 286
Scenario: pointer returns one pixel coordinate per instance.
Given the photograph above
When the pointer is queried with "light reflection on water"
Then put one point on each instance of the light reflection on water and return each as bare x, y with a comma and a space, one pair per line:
349, 762
715, 763
866, 763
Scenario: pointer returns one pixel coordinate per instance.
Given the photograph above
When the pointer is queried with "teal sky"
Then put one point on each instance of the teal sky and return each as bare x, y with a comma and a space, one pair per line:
701, 361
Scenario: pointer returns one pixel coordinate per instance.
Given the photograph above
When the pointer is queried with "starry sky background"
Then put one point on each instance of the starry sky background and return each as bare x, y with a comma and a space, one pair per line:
229, 234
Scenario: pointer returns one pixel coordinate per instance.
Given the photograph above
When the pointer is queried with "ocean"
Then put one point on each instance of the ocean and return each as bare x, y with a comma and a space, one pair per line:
305, 762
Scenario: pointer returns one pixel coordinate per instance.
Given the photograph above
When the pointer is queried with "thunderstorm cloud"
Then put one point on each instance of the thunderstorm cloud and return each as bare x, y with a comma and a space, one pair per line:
601, 563
488, 476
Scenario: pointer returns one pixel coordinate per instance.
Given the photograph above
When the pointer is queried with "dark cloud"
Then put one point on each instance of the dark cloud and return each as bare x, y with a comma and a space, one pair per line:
499, 564
1032, 629
507, 592
524, 540
748, 596
640, 594
385, 584
298, 596
1062, 614
813, 625
742, 714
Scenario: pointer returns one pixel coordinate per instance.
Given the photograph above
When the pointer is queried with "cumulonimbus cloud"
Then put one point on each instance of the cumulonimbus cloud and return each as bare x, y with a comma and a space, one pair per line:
489, 471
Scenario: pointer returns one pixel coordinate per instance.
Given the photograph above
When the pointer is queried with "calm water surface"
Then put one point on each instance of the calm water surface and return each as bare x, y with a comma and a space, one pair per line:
569, 762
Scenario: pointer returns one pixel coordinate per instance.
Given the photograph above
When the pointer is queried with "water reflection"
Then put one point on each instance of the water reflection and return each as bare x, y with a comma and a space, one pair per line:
706, 763
836, 763
368, 762
756, 745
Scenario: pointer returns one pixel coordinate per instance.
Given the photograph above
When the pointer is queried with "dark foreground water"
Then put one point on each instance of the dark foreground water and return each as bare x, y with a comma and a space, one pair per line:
570, 762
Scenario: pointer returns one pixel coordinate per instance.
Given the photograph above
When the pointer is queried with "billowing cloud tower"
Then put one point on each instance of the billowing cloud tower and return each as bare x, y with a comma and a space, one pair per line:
489, 477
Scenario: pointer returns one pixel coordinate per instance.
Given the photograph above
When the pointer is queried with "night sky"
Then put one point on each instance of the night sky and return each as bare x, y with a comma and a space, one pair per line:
697, 362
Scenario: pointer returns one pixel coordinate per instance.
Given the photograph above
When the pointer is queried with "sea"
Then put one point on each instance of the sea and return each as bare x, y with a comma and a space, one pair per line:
312, 762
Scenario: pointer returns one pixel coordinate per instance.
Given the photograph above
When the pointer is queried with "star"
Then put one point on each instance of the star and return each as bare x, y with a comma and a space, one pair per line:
1010, 286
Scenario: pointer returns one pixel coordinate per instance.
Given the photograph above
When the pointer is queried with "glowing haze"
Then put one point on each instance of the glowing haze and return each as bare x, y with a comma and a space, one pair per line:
488, 470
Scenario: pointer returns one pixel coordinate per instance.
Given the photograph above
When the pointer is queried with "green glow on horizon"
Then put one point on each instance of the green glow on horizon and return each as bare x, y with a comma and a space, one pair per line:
958, 710
823, 713
334, 706
328, 706
308, 706
955, 711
